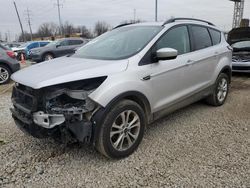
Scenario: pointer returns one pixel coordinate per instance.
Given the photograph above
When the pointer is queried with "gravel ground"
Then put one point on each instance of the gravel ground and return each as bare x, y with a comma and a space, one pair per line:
198, 146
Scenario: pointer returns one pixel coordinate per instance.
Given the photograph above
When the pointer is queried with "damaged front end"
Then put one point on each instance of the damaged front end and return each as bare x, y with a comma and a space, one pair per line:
56, 111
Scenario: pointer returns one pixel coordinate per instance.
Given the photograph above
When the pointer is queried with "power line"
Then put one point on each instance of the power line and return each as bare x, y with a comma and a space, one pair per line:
28, 14
23, 36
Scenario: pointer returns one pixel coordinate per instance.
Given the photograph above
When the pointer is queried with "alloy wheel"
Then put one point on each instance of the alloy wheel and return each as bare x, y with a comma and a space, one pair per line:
4, 75
222, 90
125, 130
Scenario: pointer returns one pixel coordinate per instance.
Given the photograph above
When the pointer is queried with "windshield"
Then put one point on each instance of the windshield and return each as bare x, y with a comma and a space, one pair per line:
24, 45
242, 44
119, 43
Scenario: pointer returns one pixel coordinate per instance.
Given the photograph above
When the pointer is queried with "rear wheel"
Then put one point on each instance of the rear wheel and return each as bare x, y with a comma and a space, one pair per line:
122, 130
4, 74
220, 92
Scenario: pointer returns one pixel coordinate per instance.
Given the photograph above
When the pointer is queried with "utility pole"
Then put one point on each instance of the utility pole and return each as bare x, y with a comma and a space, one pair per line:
59, 5
23, 36
156, 10
134, 15
29, 22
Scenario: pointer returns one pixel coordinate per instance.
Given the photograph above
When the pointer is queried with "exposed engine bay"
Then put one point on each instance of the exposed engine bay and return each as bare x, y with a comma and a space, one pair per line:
62, 107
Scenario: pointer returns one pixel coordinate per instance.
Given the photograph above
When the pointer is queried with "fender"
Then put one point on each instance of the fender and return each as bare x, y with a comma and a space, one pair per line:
136, 96
223, 66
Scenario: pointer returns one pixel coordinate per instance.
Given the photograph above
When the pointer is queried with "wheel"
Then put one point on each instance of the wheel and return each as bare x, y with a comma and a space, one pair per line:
122, 130
4, 74
220, 92
48, 57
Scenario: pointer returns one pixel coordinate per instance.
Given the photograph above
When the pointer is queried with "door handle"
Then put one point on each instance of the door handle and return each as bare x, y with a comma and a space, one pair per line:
190, 62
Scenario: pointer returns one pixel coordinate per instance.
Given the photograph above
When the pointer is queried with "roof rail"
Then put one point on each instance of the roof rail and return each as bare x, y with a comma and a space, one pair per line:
192, 19
122, 25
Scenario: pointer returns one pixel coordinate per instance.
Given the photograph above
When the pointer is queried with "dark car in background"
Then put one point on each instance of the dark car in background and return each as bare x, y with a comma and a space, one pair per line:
239, 39
26, 47
8, 64
58, 48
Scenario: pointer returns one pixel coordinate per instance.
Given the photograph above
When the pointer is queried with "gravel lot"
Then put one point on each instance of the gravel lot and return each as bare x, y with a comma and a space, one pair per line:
199, 146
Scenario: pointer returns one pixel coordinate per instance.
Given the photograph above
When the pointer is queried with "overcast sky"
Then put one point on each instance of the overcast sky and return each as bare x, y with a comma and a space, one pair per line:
87, 12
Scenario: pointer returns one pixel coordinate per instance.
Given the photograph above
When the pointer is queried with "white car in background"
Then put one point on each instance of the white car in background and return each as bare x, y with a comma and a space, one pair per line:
239, 39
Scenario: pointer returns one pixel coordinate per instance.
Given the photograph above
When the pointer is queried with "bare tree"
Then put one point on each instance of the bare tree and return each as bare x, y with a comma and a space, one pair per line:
101, 27
86, 33
47, 30
68, 28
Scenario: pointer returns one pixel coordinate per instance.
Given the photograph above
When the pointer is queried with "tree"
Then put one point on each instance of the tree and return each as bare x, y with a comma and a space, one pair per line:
26, 35
68, 29
86, 33
101, 27
47, 30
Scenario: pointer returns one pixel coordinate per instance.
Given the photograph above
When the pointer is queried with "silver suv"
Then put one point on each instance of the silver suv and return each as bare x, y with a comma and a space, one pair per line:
110, 89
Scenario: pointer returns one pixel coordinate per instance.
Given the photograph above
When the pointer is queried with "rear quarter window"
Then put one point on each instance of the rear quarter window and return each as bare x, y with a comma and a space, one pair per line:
201, 37
215, 35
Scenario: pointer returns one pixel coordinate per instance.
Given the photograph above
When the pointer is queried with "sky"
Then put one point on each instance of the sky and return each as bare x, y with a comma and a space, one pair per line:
88, 12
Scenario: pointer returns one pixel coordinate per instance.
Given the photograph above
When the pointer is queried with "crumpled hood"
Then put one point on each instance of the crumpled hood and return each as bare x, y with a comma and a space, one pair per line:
66, 69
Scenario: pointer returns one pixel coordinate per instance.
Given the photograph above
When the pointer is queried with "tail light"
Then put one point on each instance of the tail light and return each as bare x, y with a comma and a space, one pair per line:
11, 54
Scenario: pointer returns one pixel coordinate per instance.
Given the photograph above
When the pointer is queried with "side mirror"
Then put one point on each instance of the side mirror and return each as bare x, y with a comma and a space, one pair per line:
166, 54
58, 45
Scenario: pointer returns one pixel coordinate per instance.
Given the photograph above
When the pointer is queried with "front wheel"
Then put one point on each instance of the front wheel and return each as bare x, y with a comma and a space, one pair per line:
48, 57
122, 130
220, 92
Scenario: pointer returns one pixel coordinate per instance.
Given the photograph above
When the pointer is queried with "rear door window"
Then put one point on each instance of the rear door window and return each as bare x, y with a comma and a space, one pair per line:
75, 42
42, 44
64, 43
201, 37
216, 36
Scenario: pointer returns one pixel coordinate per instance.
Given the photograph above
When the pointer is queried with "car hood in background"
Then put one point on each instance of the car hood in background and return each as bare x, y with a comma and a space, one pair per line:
66, 69
238, 34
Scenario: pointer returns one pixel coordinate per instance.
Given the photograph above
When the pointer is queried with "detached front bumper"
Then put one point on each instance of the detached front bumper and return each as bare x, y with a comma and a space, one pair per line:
41, 125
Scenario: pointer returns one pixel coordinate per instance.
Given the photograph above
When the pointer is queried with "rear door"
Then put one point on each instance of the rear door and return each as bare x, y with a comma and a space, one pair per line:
75, 43
202, 62
63, 49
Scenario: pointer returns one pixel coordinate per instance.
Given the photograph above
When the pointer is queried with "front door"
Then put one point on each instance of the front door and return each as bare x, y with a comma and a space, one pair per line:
168, 76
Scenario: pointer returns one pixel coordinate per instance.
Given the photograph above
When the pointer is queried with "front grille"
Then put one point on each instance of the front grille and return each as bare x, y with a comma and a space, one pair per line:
24, 99
241, 67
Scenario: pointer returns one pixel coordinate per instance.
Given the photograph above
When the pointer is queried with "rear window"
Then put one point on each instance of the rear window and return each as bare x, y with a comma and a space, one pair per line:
216, 36
201, 37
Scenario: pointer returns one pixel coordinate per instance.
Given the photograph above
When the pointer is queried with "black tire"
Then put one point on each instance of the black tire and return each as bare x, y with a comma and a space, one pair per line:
45, 56
7, 71
213, 99
103, 142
